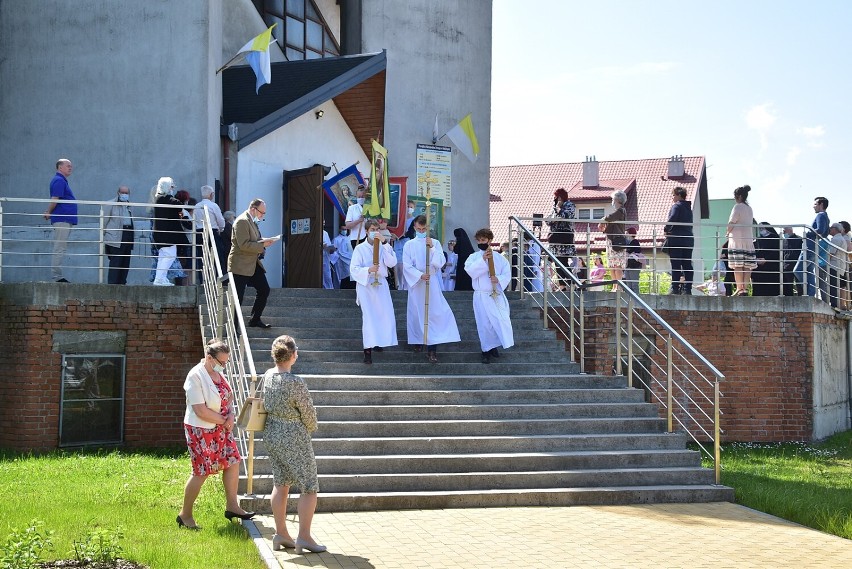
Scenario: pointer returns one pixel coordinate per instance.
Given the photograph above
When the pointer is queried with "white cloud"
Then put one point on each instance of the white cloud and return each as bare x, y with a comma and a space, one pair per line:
813, 135
761, 117
793, 155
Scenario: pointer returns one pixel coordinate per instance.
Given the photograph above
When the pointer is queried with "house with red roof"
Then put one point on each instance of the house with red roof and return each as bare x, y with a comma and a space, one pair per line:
527, 191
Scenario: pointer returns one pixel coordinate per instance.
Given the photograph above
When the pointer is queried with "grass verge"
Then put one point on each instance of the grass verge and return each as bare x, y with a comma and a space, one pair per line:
810, 484
140, 492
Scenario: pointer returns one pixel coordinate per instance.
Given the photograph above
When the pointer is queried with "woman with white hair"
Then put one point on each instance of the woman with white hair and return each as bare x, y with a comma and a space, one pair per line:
168, 231
616, 241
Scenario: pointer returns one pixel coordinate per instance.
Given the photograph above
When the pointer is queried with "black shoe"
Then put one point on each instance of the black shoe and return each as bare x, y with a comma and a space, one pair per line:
418, 348
231, 515
494, 353
183, 525
378, 348
433, 357
258, 324
62, 280
485, 358
368, 356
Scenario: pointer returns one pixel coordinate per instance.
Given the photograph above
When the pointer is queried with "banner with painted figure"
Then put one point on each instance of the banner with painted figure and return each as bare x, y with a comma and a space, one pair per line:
340, 189
379, 203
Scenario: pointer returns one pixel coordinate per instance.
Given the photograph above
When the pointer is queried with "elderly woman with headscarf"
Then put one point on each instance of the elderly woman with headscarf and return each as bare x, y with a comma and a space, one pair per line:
616, 241
561, 240
168, 230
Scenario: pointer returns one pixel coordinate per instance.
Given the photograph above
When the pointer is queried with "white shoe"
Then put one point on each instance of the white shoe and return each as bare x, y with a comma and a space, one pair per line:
162, 283
313, 548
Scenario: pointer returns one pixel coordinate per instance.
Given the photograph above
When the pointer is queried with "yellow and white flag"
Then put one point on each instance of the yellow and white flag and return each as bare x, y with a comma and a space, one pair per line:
464, 138
379, 205
257, 56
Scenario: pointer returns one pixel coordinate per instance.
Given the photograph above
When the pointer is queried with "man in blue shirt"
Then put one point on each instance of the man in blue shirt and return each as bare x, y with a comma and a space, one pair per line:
62, 215
807, 268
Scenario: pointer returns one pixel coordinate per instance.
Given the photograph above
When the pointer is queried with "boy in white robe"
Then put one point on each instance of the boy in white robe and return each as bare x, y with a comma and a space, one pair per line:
442, 323
490, 306
327, 253
449, 271
344, 258
378, 326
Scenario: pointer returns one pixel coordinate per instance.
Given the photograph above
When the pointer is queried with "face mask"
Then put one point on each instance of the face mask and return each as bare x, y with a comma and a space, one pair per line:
361, 201
373, 235
123, 197
420, 235
785, 235
344, 232
410, 210
482, 246
764, 233
218, 368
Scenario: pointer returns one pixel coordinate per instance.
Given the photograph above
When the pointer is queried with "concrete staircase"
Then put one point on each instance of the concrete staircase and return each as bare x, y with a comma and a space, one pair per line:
527, 429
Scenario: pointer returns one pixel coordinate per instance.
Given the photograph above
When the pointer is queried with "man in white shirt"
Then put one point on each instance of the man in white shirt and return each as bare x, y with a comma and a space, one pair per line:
417, 272
378, 320
490, 306
216, 220
355, 219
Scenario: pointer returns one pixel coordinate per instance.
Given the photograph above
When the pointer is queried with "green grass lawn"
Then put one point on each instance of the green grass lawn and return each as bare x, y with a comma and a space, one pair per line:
140, 492
810, 484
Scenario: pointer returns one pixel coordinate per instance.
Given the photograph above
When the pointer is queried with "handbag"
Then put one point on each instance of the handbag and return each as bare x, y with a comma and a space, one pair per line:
618, 242
252, 415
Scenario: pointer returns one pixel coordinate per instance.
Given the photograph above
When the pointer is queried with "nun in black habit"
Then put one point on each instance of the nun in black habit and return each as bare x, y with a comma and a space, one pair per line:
463, 249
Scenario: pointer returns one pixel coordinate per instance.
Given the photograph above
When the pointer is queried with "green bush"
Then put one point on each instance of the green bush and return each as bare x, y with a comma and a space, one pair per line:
23, 547
99, 546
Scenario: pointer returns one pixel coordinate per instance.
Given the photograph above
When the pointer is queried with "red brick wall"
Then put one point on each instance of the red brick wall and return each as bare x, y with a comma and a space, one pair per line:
162, 344
766, 357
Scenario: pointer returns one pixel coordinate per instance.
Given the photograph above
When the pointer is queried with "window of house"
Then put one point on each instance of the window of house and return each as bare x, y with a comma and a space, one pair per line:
591, 213
302, 32
92, 404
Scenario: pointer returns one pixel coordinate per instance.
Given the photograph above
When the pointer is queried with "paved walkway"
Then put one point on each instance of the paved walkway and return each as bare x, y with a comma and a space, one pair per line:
715, 536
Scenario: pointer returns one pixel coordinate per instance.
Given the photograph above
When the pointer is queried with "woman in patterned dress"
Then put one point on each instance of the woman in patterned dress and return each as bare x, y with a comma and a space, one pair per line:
290, 420
561, 240
742, 257
209, 425
613, 226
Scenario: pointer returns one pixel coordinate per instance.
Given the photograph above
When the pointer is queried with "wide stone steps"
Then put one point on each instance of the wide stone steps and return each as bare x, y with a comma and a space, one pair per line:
526, 429
485, 412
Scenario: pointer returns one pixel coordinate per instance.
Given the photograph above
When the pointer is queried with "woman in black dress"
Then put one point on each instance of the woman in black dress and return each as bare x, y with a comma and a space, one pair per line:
561, 241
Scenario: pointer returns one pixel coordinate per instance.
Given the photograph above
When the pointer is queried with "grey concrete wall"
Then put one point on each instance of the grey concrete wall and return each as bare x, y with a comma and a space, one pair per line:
831, 387
126, 90
439, 61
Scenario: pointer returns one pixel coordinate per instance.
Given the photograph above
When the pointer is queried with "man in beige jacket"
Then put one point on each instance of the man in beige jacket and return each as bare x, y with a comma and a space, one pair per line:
244, 259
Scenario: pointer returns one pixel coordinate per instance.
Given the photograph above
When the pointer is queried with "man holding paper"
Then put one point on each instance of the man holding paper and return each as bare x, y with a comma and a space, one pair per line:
244, 259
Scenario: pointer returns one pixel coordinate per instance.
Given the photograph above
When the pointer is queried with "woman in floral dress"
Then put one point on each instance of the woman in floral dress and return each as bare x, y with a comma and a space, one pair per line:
290, 420
561, 240
209, 425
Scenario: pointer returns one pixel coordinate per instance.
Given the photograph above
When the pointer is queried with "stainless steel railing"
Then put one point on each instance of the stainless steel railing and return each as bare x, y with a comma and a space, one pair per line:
778, 273
620, 333
222, 317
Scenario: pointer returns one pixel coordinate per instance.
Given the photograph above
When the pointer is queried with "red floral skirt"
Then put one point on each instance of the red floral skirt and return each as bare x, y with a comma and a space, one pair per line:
211, 450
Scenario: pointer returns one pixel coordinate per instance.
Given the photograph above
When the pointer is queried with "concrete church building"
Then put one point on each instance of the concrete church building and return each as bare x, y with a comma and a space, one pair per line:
129, 92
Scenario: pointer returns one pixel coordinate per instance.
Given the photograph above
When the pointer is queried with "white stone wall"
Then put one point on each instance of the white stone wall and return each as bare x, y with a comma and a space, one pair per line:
830, 382
439, 61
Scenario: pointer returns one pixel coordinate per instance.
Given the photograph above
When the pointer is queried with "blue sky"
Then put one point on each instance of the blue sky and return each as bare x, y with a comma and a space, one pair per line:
761, 89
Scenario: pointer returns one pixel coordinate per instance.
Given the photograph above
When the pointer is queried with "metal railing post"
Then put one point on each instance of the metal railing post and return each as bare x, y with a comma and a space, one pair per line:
669, 383
618, 331
545, 291
582, 335
630, 309
521, 265
101, 246
654, 283
571, 292
1, 242
717, 447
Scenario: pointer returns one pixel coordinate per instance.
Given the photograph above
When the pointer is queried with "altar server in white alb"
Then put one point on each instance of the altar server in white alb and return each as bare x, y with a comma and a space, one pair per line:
490, 306
378, 325
442, 327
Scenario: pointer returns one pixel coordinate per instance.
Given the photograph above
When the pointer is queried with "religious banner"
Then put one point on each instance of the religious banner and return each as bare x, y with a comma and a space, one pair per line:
378, 203
399, 206
436, 215
434, 166
341, 188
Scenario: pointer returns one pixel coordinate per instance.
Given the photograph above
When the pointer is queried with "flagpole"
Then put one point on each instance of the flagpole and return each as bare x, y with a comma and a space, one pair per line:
229, 62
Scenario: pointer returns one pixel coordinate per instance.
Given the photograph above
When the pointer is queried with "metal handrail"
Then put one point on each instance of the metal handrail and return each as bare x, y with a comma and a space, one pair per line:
635, 323
225, 320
